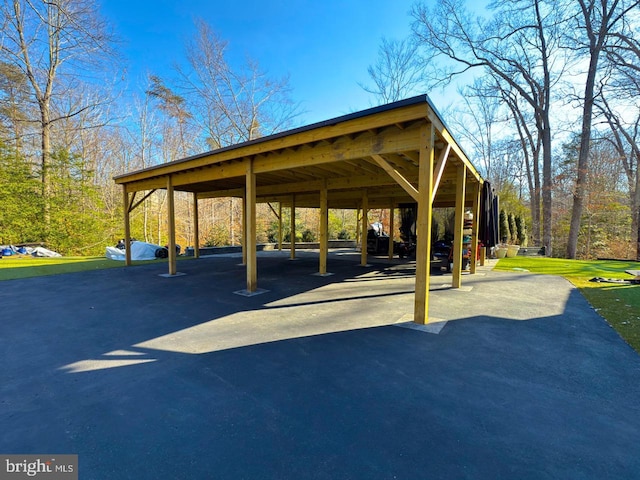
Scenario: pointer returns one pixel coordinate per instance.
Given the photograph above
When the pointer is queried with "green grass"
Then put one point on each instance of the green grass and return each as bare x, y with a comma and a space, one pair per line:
15, 267
619, 304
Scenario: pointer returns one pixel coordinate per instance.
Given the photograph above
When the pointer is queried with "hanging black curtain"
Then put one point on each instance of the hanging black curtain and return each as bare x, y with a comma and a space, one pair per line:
488, 226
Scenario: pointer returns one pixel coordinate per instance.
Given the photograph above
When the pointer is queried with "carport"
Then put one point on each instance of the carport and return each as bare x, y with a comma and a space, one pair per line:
377, 158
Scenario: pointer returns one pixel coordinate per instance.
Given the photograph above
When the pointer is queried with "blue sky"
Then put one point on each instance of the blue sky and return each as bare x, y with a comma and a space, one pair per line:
324, 46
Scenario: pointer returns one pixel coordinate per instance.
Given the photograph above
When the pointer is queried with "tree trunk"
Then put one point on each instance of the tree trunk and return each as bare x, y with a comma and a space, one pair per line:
636, 213
582, 175
547, 187
45, 162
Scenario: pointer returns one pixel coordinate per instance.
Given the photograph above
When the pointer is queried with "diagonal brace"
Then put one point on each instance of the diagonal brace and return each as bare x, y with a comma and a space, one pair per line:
397, 176
438, 171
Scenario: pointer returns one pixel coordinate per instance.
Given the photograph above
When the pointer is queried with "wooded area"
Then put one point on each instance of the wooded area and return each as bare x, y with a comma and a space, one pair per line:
550, 114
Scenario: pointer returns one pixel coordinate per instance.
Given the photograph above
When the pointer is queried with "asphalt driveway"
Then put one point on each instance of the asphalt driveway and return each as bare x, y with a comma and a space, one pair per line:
317, 378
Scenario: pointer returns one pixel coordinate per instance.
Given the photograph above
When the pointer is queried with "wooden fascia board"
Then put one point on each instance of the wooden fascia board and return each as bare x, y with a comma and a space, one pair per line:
376, 121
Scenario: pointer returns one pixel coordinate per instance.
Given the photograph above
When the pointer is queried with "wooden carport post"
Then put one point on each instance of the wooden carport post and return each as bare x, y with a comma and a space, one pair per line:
250, 229
392, 212
171, 223
244, 227
324, 229
423, 224
196, 227
357, 225
461, 178
279, 226
292, 240
365, 220
127, 226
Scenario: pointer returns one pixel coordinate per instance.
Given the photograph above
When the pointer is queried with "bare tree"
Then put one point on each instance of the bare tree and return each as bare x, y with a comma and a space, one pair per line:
14, 105
53, 44
397, 72
626, 140
231, 105
596, 23
531, 148
623, 85
519, 46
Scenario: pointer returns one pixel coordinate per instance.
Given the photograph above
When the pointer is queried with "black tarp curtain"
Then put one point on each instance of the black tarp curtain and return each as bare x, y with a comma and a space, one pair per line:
488, 228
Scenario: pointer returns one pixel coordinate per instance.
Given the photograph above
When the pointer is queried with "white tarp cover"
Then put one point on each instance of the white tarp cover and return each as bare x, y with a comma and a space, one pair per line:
139, 251
44, 252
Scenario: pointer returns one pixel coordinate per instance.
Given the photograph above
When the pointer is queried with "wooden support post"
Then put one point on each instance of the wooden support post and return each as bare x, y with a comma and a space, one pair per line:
324, 229
392, 212
127, 227
357, 226
279, 226
459, 223
171, 223
293, 227
473, 258
244, 227
196, 227
250, 229
365, 221
423, 224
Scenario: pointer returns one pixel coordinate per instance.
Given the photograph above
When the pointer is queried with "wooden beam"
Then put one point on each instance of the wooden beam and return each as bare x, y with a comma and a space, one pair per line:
196, 228
127, 227
342, 150
225, 193
397, 176
423, 225
171, 222
438, 171
339, 183
458, 224
147, 184
250, 230
324, 229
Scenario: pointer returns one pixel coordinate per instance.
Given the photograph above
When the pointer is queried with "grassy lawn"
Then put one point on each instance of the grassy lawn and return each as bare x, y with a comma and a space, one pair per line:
618, 304
26, 266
